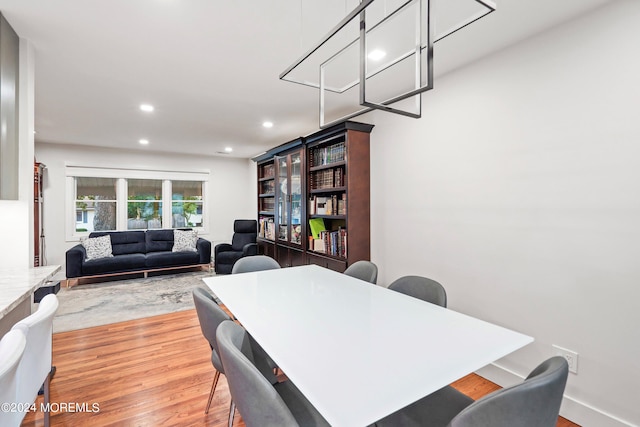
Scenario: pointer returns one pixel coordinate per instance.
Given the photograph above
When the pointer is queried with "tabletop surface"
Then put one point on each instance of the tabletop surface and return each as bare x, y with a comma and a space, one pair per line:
358, 351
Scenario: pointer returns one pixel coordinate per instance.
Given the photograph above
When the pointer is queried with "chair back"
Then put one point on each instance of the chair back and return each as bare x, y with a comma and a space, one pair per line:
533, 403
254, 263
421, 287
210, 316
257, 400
36, 362
363, 270
12, 348
245, 231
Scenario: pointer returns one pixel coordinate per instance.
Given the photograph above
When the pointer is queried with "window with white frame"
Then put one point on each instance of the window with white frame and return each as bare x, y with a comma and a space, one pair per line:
121, 199
186, 204
95, 199
144, 204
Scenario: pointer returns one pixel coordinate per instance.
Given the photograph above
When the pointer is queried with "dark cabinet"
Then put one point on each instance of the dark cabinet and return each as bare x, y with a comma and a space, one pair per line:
313, 198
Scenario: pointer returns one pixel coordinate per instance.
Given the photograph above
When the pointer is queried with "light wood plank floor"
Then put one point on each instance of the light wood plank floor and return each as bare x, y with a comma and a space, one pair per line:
151, 372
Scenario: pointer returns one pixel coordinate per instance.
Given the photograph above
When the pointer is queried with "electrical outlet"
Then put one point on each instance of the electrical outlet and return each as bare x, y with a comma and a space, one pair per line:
570, 355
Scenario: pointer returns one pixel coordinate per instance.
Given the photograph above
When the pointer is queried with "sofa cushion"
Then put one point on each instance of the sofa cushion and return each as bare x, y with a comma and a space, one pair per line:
171, 259
159, 240
184, 240
124, 242
116, 264
97, 247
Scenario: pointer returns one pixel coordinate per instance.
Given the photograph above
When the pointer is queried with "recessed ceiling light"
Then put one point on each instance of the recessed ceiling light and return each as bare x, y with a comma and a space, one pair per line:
144, 141
146, 107
267, 124
377, 54
228, 149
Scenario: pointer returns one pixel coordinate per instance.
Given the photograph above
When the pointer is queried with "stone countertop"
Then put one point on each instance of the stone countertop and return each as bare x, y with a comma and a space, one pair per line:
16, 285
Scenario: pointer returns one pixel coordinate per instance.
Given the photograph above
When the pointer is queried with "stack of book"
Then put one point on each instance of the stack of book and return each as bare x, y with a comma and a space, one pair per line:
328, 205
267, 204
326, 155
267, 229
333, 242
328, 178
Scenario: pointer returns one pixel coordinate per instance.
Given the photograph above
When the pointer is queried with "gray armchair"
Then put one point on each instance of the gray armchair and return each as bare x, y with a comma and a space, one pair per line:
243, 243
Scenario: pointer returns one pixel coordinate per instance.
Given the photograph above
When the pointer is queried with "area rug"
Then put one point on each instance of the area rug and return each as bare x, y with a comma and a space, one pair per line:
97, 304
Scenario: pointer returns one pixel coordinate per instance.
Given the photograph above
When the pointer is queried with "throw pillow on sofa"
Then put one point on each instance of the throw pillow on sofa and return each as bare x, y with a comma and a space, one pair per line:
97, 247
184, 241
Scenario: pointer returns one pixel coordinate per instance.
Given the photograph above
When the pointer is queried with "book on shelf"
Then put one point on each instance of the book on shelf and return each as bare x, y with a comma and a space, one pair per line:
328, 178
316, 225
267, 204
268, 171
327, 155
321, 205
266, 228
332, 242
335, 204
267, 187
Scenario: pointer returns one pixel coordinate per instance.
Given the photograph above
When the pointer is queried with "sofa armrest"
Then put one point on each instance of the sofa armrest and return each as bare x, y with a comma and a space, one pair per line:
204, 250
250, 249
74, 259
221, 247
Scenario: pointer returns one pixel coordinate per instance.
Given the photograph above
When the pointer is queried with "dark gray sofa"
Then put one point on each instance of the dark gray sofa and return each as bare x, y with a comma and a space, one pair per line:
135, 251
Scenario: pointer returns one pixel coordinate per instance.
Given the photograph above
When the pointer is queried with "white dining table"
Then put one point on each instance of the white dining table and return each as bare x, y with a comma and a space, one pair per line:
358, 351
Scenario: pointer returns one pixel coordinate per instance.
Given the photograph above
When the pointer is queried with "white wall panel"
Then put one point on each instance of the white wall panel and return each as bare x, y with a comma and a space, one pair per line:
519, 190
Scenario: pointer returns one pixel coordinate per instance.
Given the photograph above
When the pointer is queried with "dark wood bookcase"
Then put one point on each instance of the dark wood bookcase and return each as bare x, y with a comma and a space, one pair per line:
266, 206
334, 172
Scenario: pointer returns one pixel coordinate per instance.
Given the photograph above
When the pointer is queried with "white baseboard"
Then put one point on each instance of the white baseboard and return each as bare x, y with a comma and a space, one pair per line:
571, 409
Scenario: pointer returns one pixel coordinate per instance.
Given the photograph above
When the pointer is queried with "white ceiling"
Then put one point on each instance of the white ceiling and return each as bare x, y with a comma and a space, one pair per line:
209, 67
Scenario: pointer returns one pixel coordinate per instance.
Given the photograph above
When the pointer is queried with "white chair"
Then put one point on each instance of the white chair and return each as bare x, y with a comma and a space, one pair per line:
11, 349
35, 367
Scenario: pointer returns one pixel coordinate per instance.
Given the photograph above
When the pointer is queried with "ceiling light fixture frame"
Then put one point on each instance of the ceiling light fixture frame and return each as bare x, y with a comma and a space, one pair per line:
423, 77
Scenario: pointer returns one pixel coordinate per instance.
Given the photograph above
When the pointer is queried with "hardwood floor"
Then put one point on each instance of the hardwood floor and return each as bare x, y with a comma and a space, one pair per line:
150, 372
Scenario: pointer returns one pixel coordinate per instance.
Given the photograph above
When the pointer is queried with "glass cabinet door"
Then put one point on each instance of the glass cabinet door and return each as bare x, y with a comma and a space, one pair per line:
283, 198
290, 207
296, 198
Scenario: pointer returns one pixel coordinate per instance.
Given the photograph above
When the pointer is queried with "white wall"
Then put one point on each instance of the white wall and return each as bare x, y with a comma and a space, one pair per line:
228, 196
519, 190
14, 232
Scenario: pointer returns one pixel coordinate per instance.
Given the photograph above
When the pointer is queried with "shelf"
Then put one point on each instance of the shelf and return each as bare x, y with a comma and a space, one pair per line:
329, 216
339, 258
266, 213
327, 166
267, 178
328, 190
267, 195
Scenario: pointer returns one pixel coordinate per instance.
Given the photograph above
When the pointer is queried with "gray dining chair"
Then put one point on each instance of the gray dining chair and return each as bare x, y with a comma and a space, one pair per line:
260, 403
363, 270
12, 348
422, 288
35, 369
254, 263
210, 316
535, 402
